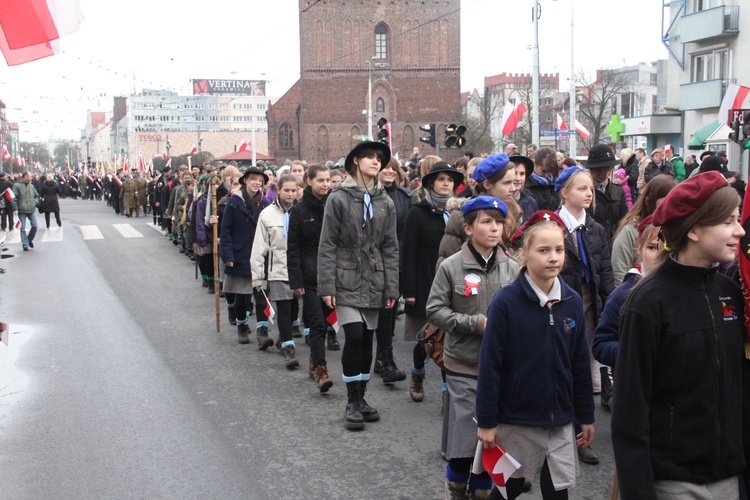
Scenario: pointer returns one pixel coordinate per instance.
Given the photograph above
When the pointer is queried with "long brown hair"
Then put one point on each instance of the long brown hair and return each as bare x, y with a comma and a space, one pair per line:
658, 188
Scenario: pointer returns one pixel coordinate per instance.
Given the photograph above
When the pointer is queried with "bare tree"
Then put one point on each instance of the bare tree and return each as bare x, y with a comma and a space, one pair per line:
599, 97
481, 110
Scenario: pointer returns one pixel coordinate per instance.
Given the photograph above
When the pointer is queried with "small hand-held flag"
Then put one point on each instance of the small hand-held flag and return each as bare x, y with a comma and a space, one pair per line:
268, 310
499, 464
333, 320
9, 194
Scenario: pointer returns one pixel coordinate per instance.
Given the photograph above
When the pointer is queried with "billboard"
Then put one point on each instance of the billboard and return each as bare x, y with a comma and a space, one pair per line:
229, 87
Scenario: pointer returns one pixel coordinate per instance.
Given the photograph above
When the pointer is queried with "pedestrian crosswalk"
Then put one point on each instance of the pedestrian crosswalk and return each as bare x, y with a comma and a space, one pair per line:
88, 232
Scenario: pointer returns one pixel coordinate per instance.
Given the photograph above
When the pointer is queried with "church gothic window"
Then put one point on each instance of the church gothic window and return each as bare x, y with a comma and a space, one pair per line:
381, 41
286, 136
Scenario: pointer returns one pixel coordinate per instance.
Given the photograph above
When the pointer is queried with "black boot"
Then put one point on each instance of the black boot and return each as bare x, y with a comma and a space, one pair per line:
333, 343
205, 282
606, 386
243, 334
232, 315
379, 363
391, 373
353, 417
369, 413
211, 287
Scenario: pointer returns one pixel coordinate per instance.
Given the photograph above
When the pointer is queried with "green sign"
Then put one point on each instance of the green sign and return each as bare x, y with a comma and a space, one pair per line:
615, 128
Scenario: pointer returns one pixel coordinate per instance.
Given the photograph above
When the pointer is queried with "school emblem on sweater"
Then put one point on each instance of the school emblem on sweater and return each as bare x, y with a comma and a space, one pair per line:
569, 324
472, 282
728, 309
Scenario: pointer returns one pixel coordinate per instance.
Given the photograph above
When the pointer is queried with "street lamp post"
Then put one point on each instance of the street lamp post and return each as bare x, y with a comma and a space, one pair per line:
535, 91
573, 144
369, 102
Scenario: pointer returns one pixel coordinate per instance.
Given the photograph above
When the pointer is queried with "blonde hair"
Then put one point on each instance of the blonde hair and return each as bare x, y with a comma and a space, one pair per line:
569, 181
425, 166
626, 154
528, 237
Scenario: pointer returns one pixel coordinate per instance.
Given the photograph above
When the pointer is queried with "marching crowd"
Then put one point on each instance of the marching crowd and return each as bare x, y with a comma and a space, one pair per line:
548, 283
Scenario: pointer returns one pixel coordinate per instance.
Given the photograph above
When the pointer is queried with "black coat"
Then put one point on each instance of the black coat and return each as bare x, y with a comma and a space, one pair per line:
403, 202
632, 170
602, 279
305, 223
422, 235
49, 193
611, 207
238, 232
545, 196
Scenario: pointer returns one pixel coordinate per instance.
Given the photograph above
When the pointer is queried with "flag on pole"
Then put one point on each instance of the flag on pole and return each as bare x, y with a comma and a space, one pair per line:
244, 146
736, 97
333, 320
268, 310
512, 115
6, 154
561, 125
20, 161
141, 163
194, 150
582, 131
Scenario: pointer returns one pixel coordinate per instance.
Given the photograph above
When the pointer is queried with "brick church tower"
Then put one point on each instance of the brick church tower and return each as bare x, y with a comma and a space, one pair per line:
414, 51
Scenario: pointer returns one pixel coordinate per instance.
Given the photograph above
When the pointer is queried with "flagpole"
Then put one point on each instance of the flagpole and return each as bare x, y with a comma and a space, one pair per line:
217, 283
573, 145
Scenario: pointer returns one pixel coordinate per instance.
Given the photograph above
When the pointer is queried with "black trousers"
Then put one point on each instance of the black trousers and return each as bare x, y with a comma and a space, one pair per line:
315, 313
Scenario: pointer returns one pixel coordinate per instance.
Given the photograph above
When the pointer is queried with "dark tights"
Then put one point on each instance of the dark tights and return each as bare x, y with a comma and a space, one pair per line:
357, 355
206, 265
514, 487
57, 218
386, 326
284, 319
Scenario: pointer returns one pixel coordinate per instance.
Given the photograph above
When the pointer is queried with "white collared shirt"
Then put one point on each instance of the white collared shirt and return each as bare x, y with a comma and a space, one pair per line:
555, 294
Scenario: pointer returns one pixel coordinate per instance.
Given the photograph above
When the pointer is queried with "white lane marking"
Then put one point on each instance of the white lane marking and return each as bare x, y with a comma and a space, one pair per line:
52, 234
91, 233
127, 231
13, 237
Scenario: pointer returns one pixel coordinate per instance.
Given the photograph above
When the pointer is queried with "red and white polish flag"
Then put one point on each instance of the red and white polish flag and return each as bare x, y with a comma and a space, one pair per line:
6, 153
561, 125
736, 97
9, 194
582, 131
194, 150
333, 320
500, 465
512, 115
268, 310
244, 146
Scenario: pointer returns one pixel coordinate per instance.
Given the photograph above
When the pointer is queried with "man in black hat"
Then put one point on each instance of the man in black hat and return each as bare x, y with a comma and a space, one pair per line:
611, 204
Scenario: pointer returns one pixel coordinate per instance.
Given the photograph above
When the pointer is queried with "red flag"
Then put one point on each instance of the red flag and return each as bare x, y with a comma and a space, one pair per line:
736, 97
141, 163
500, 465
117, 180
6, 154
744, 261
9, 194
268, 309
561, 125
512, 115
194, 150
244, 146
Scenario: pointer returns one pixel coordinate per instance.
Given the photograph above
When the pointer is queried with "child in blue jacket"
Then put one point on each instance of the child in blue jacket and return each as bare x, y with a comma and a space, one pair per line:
534, 377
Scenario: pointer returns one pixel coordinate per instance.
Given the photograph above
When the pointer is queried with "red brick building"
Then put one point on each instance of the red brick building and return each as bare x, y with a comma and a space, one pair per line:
415, 54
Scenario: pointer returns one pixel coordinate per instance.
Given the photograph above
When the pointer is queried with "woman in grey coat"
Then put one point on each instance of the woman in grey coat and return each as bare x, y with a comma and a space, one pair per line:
358, 267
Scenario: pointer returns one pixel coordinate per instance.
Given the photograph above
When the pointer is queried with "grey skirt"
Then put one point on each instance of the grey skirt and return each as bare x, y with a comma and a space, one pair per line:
238, 284
279, 290
461, 438
347, 314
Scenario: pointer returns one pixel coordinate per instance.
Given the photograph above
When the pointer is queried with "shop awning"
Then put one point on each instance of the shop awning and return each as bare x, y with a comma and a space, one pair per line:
698, 139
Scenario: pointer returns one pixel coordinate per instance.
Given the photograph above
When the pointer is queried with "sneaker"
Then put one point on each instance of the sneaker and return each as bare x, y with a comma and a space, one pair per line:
587, 456
290, 357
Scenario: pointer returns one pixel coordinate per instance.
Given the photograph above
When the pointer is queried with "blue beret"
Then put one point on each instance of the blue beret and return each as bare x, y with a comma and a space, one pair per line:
490, 166
484, 203
565, 175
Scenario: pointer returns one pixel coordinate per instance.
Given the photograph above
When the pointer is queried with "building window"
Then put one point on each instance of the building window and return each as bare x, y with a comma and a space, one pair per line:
699, 5
380, 105
381, 41
627, 104
286, 136
260, 106
709, 66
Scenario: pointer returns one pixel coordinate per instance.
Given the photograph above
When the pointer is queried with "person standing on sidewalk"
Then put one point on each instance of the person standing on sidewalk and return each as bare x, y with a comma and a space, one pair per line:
358, 267
26, 201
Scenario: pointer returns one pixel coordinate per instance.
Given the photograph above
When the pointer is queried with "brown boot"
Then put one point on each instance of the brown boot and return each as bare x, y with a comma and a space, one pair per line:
311, 370
242, 334
416, 390
290, 357
455, 491
321, 377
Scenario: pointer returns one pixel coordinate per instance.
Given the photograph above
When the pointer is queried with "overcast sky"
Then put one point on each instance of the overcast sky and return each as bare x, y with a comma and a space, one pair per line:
122, 46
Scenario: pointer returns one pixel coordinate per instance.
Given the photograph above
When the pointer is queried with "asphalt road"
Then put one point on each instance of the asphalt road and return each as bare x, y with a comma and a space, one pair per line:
115, 384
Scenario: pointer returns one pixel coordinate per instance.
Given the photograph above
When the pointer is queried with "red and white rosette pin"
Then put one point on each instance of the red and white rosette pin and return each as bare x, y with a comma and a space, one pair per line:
472, 282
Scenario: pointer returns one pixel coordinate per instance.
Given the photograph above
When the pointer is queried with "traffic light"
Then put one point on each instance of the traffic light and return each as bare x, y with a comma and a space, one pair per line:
429, 139
734, 135
383, 135
454, 136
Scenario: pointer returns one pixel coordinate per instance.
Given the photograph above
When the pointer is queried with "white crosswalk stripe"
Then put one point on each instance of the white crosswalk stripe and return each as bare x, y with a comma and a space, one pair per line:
127, 231
13, 237
52, 234
91, 233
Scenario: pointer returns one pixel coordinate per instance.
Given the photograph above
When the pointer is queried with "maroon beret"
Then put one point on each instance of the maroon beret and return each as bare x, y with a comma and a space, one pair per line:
645, 223
536, 217
687, 196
